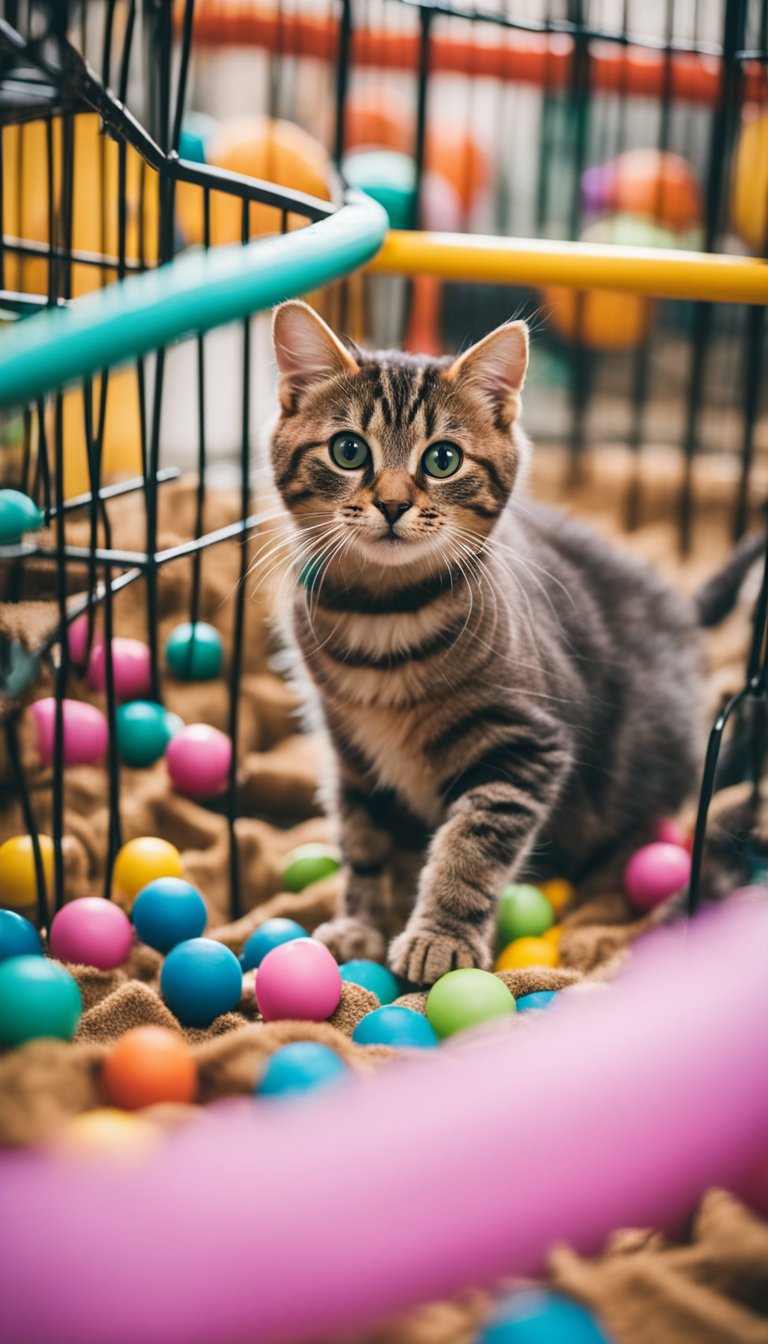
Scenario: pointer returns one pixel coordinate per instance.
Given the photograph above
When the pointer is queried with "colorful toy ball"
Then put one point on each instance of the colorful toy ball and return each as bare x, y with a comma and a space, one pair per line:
298, 980
535, 1316
396, 1026
91, 931
272, 933
461, 158
130, 668
656, 872
559, 892
195, 652
18, 938
37, 998
168, 911
197, 131
18, 879
144, 730
651, 183
85, 731
376, 118
669, 833
200, 980
389, 177
525, 952
199, 760
77, 639
539, 999
466, 998
524, 912
749, 193
370, 975
149, 1065
308, 864
18, 514
302, 1066
140, 861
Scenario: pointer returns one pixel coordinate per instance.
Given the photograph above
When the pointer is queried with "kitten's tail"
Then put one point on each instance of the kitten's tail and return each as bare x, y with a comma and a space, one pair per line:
719, 595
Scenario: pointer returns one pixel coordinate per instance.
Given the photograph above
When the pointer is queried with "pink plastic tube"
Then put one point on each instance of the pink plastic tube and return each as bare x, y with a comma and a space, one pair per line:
288, 1223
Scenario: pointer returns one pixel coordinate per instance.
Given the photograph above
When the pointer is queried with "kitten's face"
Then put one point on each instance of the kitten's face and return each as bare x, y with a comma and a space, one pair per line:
406, 460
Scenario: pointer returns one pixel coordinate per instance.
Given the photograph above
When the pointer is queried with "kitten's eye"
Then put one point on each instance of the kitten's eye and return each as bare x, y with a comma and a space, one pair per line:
349, 450
442, 459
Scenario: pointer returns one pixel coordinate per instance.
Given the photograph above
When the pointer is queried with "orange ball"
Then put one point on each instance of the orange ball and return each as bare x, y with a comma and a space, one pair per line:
149, 1065
376, 119
459, 157
559, 892
605, 319
657, 184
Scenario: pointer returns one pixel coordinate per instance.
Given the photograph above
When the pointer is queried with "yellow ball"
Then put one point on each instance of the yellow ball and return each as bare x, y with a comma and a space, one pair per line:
525, 952
749, 192
558, 892
141, 861
108, 1132
18, 883
553, 935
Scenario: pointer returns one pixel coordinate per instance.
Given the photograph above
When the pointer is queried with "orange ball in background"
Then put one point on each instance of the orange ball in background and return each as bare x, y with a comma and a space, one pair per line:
149, 1065
458, 156
606, 319
749, 191
651, 183
375, 118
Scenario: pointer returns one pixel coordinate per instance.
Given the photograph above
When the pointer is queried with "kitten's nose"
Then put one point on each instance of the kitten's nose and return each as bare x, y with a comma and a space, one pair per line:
392, 508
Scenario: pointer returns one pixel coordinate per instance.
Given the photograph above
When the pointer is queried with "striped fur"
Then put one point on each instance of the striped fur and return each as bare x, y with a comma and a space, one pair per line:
502, 692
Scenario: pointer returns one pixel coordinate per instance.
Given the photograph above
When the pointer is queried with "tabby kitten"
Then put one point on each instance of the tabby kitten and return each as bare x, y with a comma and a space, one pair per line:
505, 694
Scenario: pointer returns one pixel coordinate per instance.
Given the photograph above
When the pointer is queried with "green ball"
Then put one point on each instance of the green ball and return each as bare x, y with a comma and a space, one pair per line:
195, 652
144, 730
370, 975
465, 998
389, 177
18, 514
308, 864
524, 912
37, 998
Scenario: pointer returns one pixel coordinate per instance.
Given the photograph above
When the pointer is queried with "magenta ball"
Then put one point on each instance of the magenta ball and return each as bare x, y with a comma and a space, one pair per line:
198, 759
131, 668
77, 638
655, 873
298, 980
93, 932
85, 731
669, 833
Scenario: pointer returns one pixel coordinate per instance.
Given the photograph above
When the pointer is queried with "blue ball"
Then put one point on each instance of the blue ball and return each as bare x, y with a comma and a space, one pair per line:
393, 1025
372, 976
270, 934
200, 980
540, 999
168, 911
18, 938
301, 1066
535, 1316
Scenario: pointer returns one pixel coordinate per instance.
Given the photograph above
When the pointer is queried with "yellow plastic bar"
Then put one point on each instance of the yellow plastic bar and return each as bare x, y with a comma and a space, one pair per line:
527, 261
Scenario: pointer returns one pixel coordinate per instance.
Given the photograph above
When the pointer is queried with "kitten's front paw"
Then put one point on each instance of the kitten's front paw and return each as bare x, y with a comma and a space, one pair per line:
425, 952
348, 938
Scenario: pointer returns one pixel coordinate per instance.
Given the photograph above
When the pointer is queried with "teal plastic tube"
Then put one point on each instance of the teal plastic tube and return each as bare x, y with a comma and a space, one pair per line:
195, 293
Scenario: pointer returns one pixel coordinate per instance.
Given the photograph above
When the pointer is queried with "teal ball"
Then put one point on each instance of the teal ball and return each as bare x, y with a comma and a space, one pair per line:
195, 651
370, 975
302, 1066
396, 1026
18, 514
37, 998
144, 730
389, 177
270, 934
200, 980
168, 911
197, 128
21, 668
18, 938
535, 1316
540, 998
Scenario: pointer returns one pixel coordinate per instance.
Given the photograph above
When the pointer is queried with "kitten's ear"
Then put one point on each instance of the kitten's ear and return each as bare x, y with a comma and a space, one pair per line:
495, 367
306, 350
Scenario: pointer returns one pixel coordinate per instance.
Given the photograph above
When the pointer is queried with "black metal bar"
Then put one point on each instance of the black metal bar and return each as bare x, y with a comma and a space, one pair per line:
343, 68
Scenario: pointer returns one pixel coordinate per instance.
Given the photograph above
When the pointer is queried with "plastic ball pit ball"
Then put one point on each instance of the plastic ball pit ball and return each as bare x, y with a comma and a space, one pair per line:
195, 652
18, 938
198, 760
130, 668
92, 932
200, 980
466, 998
399, 1027
389, 177
372, 976
539, 999
149, 1065
18, 514
749, 191
144, 730
272, 933
302, 1066
655, 873
298, 980
669, 833
524, 912
535, 1316
85, 731
18, 880
168, 911
308, 864
108, 1132
558, 892
142, 860
37, 998
524, 952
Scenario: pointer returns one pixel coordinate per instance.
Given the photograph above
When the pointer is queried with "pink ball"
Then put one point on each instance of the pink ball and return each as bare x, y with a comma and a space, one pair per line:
93, 932
298, 980
85, 731
130, 662
655, 873
669, 833
77, 638
199, 758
